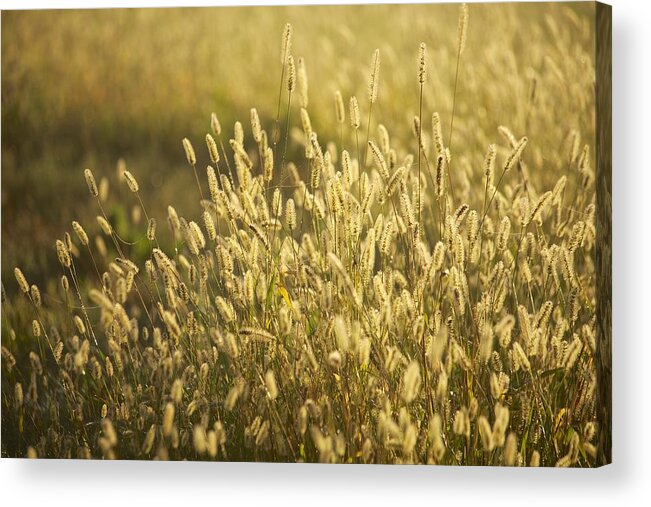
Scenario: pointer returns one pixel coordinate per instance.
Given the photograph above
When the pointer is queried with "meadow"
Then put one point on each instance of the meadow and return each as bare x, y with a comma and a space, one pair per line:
323, 234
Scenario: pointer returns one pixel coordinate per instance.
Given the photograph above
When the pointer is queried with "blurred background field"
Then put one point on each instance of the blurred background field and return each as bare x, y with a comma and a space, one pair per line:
87, 88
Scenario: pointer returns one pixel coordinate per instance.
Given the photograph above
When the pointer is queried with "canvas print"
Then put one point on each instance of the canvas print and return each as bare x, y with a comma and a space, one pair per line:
370, 234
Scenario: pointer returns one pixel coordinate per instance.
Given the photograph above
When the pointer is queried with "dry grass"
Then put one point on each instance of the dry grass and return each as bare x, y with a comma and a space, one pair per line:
404, 281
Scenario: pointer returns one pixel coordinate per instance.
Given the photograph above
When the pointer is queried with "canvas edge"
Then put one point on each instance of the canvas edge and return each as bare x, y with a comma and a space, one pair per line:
603, 96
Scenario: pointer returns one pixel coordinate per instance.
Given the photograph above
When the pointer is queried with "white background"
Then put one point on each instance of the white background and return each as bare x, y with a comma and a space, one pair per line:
626, 482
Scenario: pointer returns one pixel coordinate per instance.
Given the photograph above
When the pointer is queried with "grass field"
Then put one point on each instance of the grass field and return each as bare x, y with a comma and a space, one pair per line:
338, 234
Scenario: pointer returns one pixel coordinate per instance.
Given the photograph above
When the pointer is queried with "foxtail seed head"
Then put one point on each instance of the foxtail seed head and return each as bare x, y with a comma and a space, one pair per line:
132, 183
168, 419
286, 44
81, 234
256, 129
290, 214
437, 134
515, 155
212, 148
439, 178
151, 229
215, 125
90, 181
36, 295
268, 164
301, 76
63, 254
463, 27
354, 113
270, 383
374, 77
291, 74
385, 142
489, 165
379, 159
189, 151
340, 111
22, 281
104, 225
209, 225
422, 63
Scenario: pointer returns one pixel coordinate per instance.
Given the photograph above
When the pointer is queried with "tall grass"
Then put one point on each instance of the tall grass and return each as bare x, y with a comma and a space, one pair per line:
342, 305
